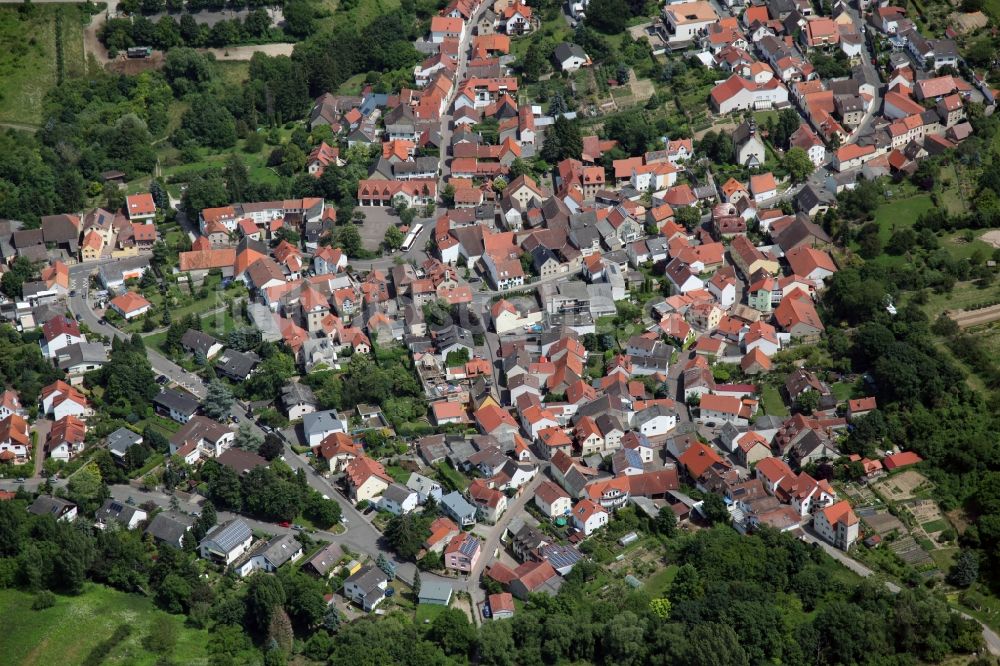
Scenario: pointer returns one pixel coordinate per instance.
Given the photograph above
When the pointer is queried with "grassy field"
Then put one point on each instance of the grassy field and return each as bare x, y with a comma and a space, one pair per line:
962, 296
900, 213
772, 402
28, 56
658, 584
66, 633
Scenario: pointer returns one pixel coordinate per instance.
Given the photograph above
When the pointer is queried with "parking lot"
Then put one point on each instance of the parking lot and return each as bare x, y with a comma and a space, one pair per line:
377, 220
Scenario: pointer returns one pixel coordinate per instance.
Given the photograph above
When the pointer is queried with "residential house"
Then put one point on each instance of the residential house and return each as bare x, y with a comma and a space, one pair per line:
367, 587
60, 509
366, 479
126, 515
456, 506
175, 404
552, 500
462, 553
227, 542
398, 500
278, 551
589, 516
838, 525
319, 425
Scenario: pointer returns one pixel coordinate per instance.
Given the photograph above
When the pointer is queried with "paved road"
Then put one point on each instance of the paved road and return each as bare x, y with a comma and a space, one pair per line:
989, 636
492, 540
460, 75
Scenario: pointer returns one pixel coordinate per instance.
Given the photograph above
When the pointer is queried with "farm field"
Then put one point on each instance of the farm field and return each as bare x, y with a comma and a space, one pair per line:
28, 57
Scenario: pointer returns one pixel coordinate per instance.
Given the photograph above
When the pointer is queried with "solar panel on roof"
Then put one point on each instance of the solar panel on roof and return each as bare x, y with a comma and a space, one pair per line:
468, 547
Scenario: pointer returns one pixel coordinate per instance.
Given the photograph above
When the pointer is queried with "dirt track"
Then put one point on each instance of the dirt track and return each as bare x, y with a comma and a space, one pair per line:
967, 318
246, 52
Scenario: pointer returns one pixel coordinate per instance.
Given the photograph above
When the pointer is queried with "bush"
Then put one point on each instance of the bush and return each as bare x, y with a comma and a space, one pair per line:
44, 599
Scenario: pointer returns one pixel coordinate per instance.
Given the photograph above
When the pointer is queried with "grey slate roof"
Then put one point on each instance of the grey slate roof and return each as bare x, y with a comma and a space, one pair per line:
230, 534
280, 549
322, 422
49, 505
369, 578
181, 402
236, 364
198, 341
397, 493
169, 527
457, 506
116, 511
325, 559
122, 439
82, 352
567, 50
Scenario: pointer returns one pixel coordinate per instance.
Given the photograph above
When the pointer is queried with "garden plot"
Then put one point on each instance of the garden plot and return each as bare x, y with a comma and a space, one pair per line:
901, 487
911, 552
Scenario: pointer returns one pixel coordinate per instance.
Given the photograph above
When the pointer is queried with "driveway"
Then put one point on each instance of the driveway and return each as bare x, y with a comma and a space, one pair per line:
41, 429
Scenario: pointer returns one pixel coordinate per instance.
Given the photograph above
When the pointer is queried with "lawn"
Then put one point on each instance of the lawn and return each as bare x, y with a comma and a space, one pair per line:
450, 475
938, 525
427, 612
772, 402
28, 56
842, 390
658, 584
398, 473
66, 633
900, 213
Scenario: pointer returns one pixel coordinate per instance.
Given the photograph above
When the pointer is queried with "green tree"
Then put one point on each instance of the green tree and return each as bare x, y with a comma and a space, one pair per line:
86, 488
264, 598
248, 437
965, 571
714, 509
204, 191
666, 522
20, 272
562, 141
210, 123
798, 164
237, 178
660, 608
162, 635
608, 16
349, 240
224, 486
300, 18
452, 632
218, 400
393, 238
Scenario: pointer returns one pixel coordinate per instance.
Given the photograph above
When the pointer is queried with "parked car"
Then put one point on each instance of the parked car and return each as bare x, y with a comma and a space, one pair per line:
285, 523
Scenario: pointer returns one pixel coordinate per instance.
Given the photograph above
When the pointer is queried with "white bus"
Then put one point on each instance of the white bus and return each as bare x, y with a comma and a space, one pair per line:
411, 237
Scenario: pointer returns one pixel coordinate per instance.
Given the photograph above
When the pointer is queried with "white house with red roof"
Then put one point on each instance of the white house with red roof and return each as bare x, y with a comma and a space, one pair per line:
366, 479
59, 399
140, 207
130, 305
837, 525
59, 333
589, 516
